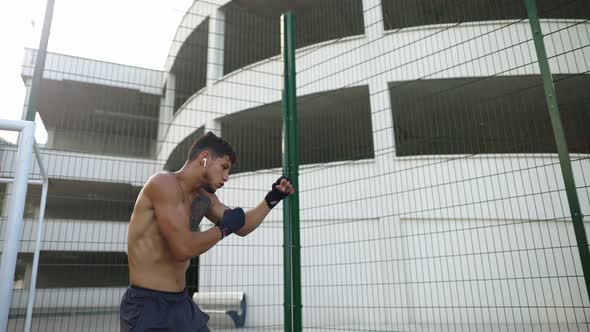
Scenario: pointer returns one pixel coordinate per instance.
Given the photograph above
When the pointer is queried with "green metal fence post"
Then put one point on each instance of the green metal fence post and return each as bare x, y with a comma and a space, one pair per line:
39, 63
560, 141
287, 264
292, 259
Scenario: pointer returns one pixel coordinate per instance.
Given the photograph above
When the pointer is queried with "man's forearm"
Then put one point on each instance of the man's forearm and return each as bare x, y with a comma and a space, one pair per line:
254, 218
194, 243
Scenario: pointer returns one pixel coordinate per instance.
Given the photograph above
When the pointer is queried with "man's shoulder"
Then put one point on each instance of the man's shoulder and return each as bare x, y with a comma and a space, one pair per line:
163, 184
162, 178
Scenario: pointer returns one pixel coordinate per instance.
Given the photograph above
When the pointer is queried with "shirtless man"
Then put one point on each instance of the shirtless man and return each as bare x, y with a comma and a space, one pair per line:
163, 236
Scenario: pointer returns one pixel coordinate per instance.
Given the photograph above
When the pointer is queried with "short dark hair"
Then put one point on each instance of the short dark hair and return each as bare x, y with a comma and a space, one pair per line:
217, 146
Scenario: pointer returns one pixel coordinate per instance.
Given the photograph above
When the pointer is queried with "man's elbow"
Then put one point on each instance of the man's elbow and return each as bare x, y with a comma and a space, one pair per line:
242, 232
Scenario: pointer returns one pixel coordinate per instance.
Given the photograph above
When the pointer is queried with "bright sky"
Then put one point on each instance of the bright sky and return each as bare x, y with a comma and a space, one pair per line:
131, 32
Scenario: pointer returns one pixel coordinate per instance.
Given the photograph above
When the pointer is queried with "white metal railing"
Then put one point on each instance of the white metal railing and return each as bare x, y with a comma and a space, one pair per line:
14, 223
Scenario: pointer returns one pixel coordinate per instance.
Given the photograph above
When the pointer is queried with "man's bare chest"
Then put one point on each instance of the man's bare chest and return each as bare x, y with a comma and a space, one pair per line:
199, 208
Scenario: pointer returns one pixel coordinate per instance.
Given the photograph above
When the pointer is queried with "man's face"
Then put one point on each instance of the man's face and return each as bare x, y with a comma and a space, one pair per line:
216, 173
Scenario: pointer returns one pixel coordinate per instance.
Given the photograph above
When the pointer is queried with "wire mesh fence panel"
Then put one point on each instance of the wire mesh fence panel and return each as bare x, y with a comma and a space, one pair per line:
21, 287
111, 126
436, 200
239, 99
101, 121
431, 193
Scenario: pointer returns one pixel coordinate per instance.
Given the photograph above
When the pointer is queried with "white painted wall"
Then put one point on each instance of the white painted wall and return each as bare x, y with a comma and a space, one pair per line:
397, 240
103, 297
414, 240
384, 240
87, 167
500, 48
64, 67
199, 12
232, 94
122, 145
68, 309
489, 271
73, 235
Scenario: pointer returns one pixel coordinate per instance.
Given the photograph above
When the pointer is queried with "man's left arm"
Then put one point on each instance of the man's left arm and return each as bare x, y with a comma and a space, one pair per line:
254, 217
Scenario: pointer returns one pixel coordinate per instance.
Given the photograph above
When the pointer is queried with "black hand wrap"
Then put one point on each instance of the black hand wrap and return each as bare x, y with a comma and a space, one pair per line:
232, 221
275, 196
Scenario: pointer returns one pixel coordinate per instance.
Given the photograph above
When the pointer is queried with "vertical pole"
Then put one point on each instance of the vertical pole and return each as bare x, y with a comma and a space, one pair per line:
292, 262
287, 244
287, 283
39, 63
14, 222
562, 150
33, 286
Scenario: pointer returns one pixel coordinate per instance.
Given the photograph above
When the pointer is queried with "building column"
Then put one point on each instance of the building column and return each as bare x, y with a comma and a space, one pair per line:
373, 17
50, 143
381, 118
215, 47
28, 275
166, 110
213, 126
5, 203
28, 84
385, 162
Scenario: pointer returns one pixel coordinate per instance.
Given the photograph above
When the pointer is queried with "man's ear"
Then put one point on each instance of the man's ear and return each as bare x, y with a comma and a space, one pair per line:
205, 155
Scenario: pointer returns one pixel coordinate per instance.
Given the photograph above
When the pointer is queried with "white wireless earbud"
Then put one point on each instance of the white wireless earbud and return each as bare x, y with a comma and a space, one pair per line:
204, 162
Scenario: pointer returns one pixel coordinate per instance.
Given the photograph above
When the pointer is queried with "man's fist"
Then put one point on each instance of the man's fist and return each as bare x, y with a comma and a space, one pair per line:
232, 221
280, 190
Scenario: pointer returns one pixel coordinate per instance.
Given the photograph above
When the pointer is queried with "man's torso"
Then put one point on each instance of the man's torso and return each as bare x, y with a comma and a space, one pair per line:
151, 264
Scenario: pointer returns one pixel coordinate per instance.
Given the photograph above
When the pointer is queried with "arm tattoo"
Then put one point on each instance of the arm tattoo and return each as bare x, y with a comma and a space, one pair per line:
199, 208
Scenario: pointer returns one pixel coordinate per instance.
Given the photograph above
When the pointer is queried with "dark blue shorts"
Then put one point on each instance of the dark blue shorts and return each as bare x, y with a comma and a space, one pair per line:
145, 309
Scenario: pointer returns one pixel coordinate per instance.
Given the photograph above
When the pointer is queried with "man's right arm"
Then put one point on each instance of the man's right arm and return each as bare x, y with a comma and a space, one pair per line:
173, 219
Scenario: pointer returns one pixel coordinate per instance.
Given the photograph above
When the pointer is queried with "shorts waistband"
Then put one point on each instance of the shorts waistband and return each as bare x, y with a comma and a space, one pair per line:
158, 293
